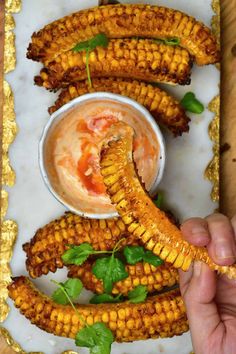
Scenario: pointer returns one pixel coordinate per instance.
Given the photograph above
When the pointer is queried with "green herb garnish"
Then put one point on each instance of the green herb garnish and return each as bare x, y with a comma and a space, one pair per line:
159, 200
105, 298
138, 295
190, 103
72, 287
97, 337
77, 254
135, 254
168, 41
100, 40
109, 270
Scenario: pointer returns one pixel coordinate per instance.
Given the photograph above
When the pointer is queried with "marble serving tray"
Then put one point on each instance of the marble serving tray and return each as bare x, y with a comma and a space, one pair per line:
31, 205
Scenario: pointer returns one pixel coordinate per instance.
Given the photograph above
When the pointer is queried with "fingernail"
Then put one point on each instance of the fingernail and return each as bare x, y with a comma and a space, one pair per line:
223, 250
197, 267
199, 230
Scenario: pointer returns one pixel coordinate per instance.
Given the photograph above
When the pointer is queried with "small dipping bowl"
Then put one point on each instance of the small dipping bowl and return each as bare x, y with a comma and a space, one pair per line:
71, 141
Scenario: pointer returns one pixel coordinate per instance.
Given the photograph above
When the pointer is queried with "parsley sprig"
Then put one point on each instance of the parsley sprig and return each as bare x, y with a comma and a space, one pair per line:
100, 40
97, 337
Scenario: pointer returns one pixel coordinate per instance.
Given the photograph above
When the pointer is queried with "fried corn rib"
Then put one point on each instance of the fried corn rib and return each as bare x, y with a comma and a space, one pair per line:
129, 58
142, 218
123, 21
154, 278
166, 110
158, 316
45, 249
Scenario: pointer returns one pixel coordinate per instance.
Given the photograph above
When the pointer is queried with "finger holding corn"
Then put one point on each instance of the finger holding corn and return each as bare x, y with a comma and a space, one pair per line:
142, 218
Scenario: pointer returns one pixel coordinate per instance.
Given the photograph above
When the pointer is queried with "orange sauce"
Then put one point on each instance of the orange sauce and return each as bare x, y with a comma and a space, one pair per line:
73, 150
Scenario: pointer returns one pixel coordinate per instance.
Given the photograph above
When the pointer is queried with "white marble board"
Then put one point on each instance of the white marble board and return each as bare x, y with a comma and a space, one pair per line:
31, 204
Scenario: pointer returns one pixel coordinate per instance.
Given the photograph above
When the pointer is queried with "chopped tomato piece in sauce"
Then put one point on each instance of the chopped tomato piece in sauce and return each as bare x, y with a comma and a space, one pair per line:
89, 171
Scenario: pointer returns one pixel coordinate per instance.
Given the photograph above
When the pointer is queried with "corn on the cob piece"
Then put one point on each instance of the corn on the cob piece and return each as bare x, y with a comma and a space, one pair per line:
154, 278
165, 109
45, 249
123, 21
131, 58
158, 316
149, 224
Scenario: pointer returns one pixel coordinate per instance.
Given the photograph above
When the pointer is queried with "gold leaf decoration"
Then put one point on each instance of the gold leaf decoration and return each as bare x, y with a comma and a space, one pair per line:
212, 172
9, 133
9, 22
10, 53
213, 169
12, 6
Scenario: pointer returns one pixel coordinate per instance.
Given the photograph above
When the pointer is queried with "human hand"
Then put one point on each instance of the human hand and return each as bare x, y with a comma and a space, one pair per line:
211, 299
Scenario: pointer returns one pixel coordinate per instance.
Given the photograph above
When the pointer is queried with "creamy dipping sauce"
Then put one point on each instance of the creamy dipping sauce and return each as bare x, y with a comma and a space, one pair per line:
73, 145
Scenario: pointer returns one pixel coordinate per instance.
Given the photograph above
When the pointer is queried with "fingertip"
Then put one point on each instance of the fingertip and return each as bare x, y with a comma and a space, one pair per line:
195, 231
222, 248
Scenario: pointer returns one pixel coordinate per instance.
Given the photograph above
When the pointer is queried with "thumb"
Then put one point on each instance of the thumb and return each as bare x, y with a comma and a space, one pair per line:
198, 288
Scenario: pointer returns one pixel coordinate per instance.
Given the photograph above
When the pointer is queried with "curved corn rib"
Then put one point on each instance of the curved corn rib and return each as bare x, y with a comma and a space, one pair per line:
149, 224
120, 21
131, 58
158, 316
45, 249
154, 278
164, 108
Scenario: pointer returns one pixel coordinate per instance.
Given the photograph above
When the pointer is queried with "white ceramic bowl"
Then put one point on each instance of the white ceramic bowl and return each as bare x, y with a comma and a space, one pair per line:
59, 114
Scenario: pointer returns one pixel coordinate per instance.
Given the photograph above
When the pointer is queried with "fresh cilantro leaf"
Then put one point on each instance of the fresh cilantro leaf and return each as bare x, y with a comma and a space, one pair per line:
105, 298
190, 103
110, 270
138, 295
134, 254
100, 40
151, 258
77, 254
96, 337
159, 200
72, 287
82, 46
168, 41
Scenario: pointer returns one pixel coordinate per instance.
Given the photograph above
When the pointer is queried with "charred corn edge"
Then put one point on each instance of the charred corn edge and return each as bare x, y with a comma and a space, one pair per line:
158, 234
164, 108
122, 58
43, 252
140, 273
163, 315
63, 34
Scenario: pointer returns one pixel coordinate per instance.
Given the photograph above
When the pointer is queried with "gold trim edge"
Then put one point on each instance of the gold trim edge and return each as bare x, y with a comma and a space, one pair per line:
9, 227
212, 172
